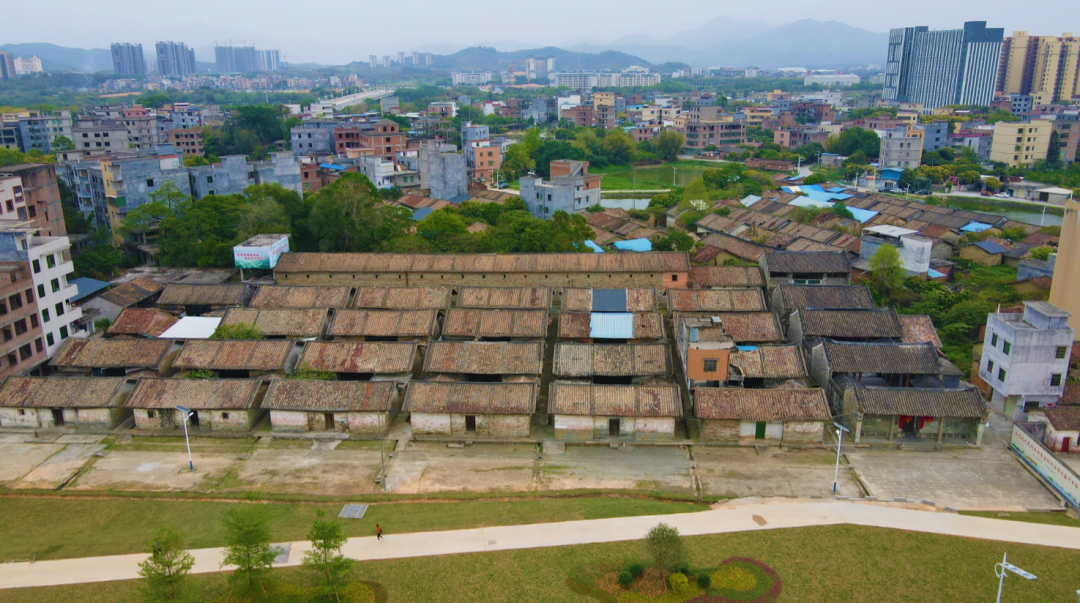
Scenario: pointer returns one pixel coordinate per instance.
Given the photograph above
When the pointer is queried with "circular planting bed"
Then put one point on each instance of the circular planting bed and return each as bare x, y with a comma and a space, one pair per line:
735, 580
742, 580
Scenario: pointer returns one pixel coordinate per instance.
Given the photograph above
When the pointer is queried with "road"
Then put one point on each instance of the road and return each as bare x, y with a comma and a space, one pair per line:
724, 519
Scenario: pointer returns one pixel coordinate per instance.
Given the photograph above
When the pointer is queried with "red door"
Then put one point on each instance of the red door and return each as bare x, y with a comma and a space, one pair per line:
1065, 444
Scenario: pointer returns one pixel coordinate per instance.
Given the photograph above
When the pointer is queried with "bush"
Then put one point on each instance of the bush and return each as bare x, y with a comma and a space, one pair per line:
102, 324
625, 579
678, 582
704, 581
636, 569
1039, 253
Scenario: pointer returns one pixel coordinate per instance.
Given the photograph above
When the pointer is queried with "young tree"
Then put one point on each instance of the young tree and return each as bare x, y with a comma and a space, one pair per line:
674, 240
247, 545
1053, 151
887, 271
664, 547
242, 330
325, 559
167, 567
62, 143
668, 144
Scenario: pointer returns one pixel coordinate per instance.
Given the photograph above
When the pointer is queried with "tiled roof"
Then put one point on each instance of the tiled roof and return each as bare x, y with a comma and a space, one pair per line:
715, 300
717, 223
132, 292
329, 396
611, 359
807, 262
761, 405
704, 277
1071, 396
60, 392
1040, 282
194, 394
288, 322
733, 245
485, 357
825, 297
913, 402
885, 358
234, 355
507, 298
484, 262
383, 323
990, 247
586, 399
391, 357
402, 298
1041, 239
1065, 418
201, 295
749, 327
578, 325
918, 329
581, 300
851, 324
150, 322
300, 297
112, 353
471, 398
473, 323
769, 362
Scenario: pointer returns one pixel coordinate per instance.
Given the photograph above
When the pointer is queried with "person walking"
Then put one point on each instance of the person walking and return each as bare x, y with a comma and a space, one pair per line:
378, 531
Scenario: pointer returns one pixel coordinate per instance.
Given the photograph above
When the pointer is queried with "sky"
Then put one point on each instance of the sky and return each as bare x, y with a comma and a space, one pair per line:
338, 32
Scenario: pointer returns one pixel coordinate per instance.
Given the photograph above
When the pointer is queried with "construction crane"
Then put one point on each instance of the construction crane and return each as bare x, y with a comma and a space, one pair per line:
510, 73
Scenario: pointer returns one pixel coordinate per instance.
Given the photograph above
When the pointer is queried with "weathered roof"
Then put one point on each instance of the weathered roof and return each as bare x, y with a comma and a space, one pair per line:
485, 357
805, 262
1065, 418
717, 242
579, 325
715, 300
608, 300
112, 353
329, 396
471, 398
383, 323
884, 358
770, 362
748, 327
201, 295
402, 298
1071, 395
194, 394
919, 329
761, 405
484, 262
300, 297
287, 322
507, 298
132, 292
825, 297
611, 359
380, 357
150, 322
914, 402
60, 392
234, 354
864, 323
704, 277
990, 247
473, 323
587, 399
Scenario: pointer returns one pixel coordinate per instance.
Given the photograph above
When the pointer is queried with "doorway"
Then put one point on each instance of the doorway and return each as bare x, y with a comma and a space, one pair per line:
58, 416
194, 419
328, 421
759, 431
470, 423
1065, 442
613, 428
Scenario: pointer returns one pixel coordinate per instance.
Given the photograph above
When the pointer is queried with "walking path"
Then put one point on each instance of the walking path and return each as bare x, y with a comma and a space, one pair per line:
717, 521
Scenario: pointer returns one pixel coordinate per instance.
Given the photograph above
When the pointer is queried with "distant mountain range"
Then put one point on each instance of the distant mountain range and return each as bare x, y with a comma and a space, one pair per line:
59, 58
488, 59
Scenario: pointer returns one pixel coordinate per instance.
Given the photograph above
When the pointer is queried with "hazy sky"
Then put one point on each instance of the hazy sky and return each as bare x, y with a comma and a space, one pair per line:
336, 32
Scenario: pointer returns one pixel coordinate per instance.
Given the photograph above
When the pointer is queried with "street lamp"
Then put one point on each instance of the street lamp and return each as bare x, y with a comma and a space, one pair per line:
1000, 569
672, 176
840, 429
187, 414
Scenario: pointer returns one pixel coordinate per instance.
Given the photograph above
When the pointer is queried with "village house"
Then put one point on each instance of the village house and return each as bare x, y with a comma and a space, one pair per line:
196, 300
719, 247
806, 268
491, 361
744, 328
141, 322
79, 402
284, 323
984, 253
236, 358
918, 328
910, 414
402, 298
782, 416
725, 277
584, 411
495, 325
383, 325
863, 324
356, 407
654, 269
272, 297
113, 357
505, 298
786, 298
362, 361
496, 410
612, 363
704, 348
716, 300
216, 404
766, 366
1062, 428
141, 292
611, 327
878, 364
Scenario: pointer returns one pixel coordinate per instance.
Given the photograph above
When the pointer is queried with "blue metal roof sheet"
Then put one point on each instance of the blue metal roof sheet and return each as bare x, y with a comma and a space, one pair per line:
592, 245
934, 273
975, 227
86, 287
862, 215
611, 325
990, 247
421, 213
331, 166
634, 245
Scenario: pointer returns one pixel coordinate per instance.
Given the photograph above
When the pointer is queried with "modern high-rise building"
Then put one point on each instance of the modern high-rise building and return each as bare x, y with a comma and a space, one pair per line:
415, 58
386, 60
236, 59
943, 67
373, 60
1046, 67
175, 58
268, 60
536, 69
127, 59
427, 58
7, 65
401, 57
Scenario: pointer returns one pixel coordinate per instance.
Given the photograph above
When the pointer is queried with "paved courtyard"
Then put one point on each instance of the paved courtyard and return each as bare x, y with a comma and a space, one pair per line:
633, 467
428, 467
742, 472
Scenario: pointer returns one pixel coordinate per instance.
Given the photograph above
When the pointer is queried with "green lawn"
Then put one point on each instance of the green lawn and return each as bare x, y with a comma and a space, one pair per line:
1056, 519
851, 564
57, 528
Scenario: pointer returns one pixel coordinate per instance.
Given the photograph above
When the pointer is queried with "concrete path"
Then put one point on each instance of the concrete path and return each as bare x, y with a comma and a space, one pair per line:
717, 521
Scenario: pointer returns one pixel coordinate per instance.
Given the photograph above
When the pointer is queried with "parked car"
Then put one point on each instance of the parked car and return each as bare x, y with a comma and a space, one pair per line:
1002, 195
987, 194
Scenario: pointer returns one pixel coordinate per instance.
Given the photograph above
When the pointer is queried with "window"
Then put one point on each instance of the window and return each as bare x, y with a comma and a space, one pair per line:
38, 345
990, 366
25, 352
50, 261
1055, 380
15, 301
49, 339
63, 333
33, 321
1005, 347
674, 278
1060, 353
209, 179
59, 308
1001, 375
29, 296
225, 415
710, 365
55, 284
993, 340
40, 291
149, 414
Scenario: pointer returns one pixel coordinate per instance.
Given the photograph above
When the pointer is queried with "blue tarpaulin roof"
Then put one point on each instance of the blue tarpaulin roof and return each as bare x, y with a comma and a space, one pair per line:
421, 213
86, 287
862, 215
891, 173
810, 202
611, 325
634, 245
592, 245
835, 189
331, 166
934, 273
990, 247
746, 348
975, 227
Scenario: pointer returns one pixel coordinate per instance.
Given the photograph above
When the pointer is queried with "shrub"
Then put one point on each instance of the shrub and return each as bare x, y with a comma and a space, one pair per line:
678, 582
664, 547
636, 569
625, 579
704, 581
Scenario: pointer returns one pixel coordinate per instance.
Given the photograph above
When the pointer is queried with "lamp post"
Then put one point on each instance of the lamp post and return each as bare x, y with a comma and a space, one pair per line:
673, 176
187, 414
840, 429
1001, 568
382, 456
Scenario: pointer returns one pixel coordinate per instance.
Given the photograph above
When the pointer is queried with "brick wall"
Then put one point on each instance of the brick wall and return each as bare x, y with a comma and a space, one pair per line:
809, 432
393, 279
18, 417
720, 431
430, 424
368, 422
289, 421
569, 427
227, 420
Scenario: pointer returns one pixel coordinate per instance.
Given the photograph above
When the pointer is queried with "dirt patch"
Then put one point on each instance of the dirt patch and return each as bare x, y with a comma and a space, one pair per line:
593, 467
20, 459
426, 467
153, 471
743, 472
329, 472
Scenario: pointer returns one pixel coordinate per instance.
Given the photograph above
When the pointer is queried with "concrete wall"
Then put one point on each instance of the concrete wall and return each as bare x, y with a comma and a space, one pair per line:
545, 198
617, 280
486, 425
720, 431
290, 421
209, 420
808, 432
1055, 439
312, 140
794, 329
1030, 362
42, 418
19, 417
571, 427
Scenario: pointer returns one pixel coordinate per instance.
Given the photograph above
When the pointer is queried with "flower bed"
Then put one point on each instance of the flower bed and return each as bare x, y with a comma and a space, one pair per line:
736, 580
